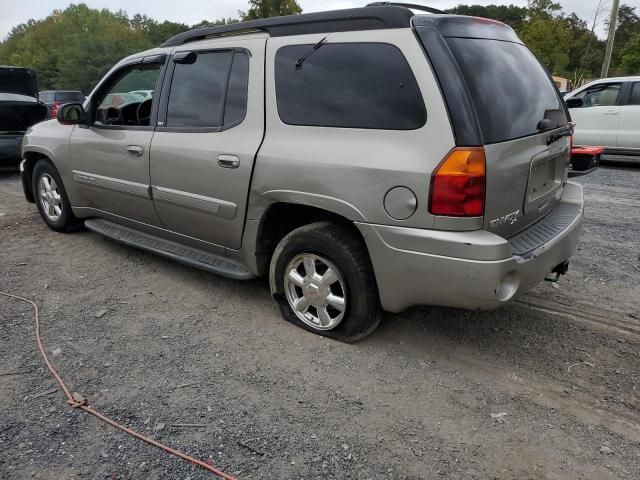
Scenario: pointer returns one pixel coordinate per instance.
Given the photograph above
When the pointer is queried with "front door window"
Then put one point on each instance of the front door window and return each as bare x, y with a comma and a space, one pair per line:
129, 98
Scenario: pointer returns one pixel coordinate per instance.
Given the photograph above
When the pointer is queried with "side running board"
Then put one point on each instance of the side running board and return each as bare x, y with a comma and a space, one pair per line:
190, 256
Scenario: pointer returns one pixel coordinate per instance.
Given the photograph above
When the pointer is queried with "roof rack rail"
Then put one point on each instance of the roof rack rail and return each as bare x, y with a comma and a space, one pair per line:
423, 8
374, 17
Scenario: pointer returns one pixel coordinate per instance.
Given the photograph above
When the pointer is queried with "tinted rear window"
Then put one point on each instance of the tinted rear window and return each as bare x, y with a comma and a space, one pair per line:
197, 91
69, 97
510, 89
353, 85
236, 103
634, 99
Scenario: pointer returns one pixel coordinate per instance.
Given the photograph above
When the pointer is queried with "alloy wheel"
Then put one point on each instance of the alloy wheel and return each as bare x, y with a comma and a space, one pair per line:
315, 291
50, 198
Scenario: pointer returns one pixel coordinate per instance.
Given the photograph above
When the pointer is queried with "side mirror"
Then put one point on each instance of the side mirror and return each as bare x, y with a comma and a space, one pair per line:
70, 114
574, 102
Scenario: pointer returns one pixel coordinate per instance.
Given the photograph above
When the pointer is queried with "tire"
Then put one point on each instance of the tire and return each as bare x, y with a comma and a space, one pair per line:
52, 201
320, 247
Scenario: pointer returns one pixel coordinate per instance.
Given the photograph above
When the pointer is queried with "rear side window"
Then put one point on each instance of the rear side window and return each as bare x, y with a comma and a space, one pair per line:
236, 104
634, 99
351, 85
510, 89
210, 92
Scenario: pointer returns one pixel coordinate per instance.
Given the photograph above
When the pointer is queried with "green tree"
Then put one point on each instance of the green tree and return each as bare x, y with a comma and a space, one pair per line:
270, 8
512, 15
627, 28
586, 52
630, 56
547, 33
156, 32
73, 48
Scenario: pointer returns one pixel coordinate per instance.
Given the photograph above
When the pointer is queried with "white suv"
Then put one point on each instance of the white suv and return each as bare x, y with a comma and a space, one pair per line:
607, 114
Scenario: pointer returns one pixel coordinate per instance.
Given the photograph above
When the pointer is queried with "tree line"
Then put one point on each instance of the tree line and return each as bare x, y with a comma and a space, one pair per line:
566, 44
73, 48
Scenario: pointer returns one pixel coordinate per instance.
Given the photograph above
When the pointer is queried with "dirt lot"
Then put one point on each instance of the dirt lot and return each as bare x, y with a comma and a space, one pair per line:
414, 401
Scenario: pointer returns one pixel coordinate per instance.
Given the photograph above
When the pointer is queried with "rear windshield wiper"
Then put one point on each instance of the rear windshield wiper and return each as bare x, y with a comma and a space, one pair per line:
566, 131
311, 50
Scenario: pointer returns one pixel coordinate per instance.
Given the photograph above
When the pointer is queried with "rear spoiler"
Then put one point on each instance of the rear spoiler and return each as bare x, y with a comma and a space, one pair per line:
467, 27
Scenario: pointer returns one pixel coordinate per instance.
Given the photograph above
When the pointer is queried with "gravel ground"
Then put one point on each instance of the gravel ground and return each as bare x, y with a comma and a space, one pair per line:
156, 344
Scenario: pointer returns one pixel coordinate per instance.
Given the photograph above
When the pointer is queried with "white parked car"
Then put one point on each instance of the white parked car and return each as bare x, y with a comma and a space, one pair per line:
607, 114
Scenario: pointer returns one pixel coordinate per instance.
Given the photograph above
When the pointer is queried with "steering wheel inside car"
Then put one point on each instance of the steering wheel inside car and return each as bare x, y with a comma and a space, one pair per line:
143, 113
112, 116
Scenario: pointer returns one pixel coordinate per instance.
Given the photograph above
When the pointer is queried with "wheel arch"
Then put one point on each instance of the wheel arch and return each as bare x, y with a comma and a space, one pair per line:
280, 218
31, 157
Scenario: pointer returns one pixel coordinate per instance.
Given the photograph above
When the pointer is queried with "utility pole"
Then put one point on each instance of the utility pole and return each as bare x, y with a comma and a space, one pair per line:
612, 33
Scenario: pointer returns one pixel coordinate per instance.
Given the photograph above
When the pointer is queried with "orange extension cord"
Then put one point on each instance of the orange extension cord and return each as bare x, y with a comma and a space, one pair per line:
82, 403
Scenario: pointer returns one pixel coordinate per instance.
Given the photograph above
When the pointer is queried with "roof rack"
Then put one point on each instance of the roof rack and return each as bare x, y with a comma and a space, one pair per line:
381, 15
413, 6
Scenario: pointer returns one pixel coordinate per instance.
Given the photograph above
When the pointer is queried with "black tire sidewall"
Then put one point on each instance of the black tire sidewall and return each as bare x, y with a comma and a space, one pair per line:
362, 313
67, 220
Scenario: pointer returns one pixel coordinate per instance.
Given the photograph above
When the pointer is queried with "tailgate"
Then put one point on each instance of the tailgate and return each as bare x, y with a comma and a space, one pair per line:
524, 130
525, 179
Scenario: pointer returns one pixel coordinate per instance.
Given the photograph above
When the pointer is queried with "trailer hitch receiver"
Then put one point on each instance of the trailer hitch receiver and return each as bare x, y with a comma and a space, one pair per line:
558, 270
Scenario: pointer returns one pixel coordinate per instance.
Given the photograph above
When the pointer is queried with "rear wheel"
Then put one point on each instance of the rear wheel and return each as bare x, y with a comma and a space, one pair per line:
51, 198
322, 279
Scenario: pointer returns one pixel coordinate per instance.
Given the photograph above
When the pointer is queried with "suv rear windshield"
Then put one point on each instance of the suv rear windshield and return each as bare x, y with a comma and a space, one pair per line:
510, 89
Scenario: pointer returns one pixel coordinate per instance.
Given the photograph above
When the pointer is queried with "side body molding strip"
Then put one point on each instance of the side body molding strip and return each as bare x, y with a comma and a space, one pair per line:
201, 203
109, 183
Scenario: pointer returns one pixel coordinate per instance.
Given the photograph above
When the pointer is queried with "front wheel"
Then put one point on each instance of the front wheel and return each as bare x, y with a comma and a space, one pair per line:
51, 198
323, 281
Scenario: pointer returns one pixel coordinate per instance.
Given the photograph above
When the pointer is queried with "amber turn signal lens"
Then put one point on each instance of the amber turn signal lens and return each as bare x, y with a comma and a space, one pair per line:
458, 184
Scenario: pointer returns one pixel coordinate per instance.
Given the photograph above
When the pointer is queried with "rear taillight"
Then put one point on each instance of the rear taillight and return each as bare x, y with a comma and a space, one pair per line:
458, 184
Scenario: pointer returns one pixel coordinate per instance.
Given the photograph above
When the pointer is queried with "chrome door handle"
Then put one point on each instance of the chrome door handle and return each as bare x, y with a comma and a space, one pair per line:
134, 150
611, 112
228, 161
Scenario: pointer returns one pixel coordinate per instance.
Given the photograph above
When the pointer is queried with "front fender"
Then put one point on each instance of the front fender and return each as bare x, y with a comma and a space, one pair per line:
49, 139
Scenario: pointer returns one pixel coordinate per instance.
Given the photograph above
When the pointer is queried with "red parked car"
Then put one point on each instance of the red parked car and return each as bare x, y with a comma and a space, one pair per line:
55, 98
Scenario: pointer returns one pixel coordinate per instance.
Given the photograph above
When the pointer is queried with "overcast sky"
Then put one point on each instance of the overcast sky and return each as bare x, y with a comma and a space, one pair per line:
14, 12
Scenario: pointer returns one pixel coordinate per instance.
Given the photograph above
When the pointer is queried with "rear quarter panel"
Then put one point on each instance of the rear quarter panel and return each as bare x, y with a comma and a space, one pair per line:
349, 170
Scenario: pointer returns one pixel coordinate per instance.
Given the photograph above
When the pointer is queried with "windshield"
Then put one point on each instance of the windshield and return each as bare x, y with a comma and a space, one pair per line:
510, 89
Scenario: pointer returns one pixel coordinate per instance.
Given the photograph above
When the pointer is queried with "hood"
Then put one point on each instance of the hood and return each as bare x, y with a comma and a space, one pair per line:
18, 80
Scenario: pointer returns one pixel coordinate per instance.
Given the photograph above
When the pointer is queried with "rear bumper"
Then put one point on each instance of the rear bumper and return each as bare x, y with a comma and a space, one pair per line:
471, 270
